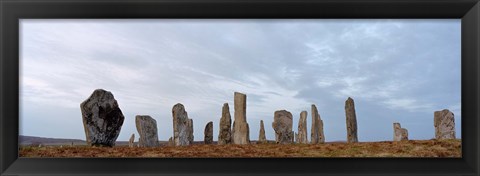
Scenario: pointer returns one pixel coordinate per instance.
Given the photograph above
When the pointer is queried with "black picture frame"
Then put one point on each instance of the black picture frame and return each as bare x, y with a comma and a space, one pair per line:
13, 10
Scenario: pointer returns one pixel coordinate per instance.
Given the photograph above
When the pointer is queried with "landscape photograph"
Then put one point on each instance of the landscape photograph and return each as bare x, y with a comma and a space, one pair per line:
240, 88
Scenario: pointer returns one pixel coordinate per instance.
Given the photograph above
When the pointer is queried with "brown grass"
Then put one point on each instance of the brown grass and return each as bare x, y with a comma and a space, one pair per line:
412, 148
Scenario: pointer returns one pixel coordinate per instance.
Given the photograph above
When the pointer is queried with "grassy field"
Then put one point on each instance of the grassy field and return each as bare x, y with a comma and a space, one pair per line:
412, 148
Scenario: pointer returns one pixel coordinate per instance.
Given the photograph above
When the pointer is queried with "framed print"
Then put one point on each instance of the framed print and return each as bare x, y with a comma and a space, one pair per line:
239, 87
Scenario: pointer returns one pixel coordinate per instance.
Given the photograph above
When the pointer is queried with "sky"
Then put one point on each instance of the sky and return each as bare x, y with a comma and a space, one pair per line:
398, 70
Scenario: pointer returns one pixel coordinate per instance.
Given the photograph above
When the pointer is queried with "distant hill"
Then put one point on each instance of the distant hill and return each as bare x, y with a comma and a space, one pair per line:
33, 140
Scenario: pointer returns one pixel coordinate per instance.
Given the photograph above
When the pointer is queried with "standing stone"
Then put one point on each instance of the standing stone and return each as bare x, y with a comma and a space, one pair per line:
181, 129
224, 136
147, 128
261, 135
102, 118
399, 133
170, 142
190, 130
317, 136
208, 132
302, 135
404, 134
444, 122
131, 141
296, 138
351, 120
240, 131
282, 124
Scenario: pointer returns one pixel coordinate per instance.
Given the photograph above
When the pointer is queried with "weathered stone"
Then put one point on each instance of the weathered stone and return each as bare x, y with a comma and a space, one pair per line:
399, 133
302, 135
317, 136
404, 134
351, 120
282, 124
147, 129
240, 131
170, 142
261, 135
224, 136
181, 129
444, 123
296, 138
208, 132
131, 142
102, 118
190, 130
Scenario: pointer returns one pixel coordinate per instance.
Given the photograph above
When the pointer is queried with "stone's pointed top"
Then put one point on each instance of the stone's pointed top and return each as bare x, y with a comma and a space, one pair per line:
179, 108
100, 90
225, 104
313, 106
238, 93
210, 123
100, 95
145, 118
445, 111
349, 99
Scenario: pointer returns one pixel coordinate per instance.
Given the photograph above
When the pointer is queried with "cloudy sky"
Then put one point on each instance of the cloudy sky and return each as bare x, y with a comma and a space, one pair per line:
395, 70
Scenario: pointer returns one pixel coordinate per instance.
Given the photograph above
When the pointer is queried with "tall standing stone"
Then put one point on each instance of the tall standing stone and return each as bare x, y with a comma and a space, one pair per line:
190, 130
317, 135
147, 128
240, 131
261, 135
224, 136
102, 118
282, 124
444, 123
131, 142
302, 135
351, 120
208, 132
399, 133
181, 129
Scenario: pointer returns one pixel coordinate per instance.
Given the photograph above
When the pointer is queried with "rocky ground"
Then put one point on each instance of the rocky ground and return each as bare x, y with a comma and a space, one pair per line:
412, 148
